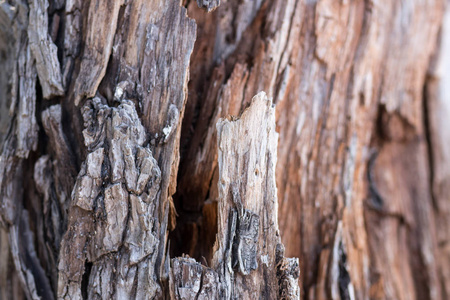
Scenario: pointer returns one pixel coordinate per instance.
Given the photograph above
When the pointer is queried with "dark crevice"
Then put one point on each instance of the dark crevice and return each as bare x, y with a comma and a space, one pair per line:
40, 107
186, 3
59, 41
344, 277
111, 78
107, 85
72, 126
85, 279
135, 283
42, 104
429, 142
376, 199
201, 284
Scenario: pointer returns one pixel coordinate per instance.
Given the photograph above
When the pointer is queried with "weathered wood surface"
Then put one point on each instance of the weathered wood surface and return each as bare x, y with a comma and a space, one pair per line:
101, 101
248, 239
248, 257
348, 79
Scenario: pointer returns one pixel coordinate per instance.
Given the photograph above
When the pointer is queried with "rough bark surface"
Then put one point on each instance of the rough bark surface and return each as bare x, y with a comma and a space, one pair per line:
124, 175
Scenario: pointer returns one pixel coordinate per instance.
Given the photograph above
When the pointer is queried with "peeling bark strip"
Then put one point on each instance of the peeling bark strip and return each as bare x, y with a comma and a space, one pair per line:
44, 50
102, 21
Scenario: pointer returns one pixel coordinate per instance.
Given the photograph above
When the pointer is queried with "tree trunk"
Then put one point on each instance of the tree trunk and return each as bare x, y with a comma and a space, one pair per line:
158, 149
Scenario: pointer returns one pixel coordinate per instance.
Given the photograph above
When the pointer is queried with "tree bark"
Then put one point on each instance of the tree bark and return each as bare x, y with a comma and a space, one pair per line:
184, 149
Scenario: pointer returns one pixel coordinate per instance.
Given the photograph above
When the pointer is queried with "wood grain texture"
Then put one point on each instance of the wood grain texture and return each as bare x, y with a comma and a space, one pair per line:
348, 80
123, 174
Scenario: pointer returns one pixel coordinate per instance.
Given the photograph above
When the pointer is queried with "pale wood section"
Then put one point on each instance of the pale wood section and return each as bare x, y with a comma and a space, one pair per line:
248, 239
248, 257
